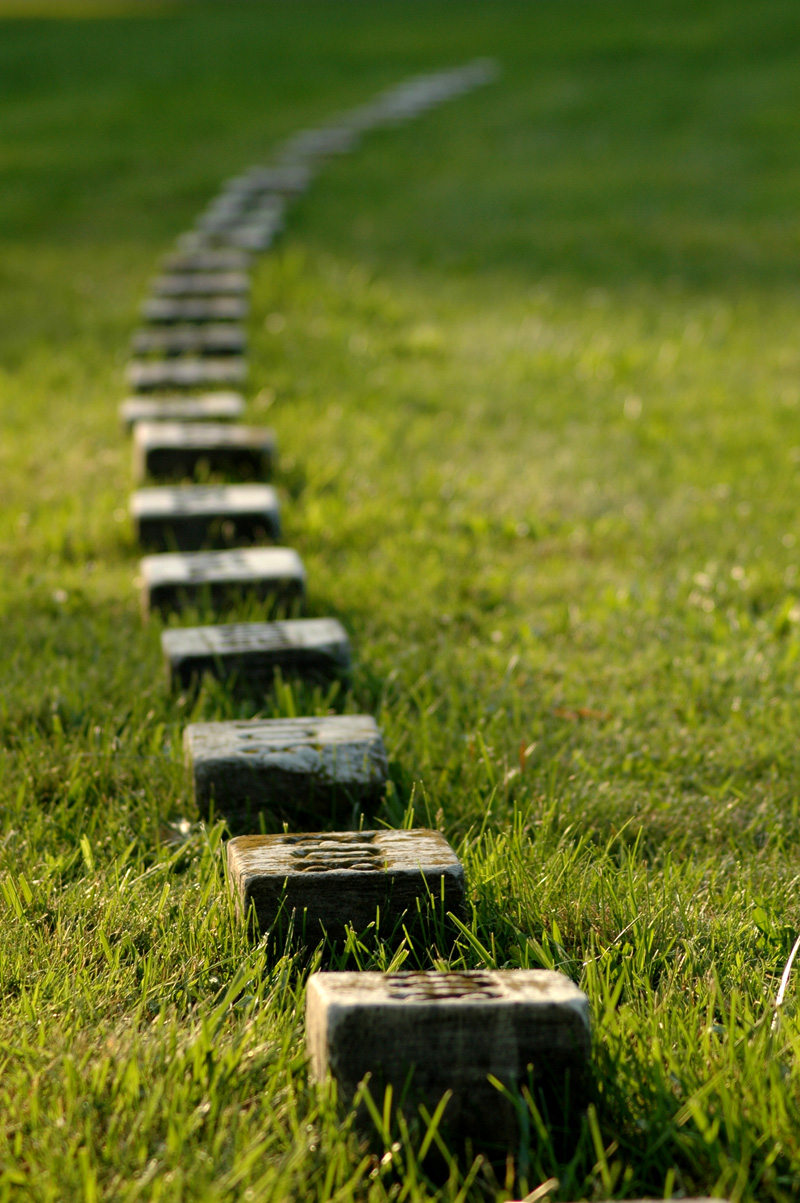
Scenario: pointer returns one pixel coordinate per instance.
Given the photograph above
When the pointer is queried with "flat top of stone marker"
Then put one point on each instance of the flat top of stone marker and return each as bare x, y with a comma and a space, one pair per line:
476, 987
201, 434
345, 851
200, 282
202, 499
254, 636
285, 734
245, 564
176, 407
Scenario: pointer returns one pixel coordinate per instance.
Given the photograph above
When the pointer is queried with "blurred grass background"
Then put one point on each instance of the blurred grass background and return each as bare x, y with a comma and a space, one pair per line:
533, 365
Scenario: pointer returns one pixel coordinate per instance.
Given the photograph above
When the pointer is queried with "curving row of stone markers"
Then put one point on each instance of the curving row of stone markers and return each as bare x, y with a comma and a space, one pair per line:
214, 543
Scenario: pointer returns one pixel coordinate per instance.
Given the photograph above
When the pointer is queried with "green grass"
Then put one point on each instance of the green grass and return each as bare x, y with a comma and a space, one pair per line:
536, 381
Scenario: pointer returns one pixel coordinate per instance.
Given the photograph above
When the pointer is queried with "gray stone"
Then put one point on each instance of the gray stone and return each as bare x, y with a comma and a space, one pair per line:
214, 407
293, 766
202, 284
321, 142
191, 517
212, 338
328, 880
231, 211
289, 179
253, 650
182, 262
253, 236
174, 580
174, 449
147, 376
430, 1032
166, 310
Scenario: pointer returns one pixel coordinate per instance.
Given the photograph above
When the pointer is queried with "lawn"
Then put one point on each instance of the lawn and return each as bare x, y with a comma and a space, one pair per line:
533, 363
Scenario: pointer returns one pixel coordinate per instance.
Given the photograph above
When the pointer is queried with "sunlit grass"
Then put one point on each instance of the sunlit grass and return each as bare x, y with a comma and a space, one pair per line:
533, 367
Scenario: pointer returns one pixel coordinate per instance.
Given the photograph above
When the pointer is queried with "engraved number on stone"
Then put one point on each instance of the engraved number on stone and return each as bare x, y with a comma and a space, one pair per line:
354, 851
421, 987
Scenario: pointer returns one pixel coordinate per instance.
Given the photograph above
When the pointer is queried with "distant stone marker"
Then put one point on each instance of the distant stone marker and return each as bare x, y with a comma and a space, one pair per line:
215, 407
287, 179
220, 260
332, 879
190, 517
167, 310
449, 1031
253, 235
204, 284
211, 338
253, 650
147, 376
232, 210
173, 580
174, 449
293, 766
322, 142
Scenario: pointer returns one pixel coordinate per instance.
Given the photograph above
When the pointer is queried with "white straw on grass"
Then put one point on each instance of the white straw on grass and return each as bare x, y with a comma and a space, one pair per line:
784, 983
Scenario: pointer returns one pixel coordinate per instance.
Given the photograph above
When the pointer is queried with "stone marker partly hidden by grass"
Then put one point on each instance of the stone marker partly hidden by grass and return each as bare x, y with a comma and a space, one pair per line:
323, 883
191, 517
176, 580
174, 450
533, 362
253, 650
291, 768
211, 407
470, 1042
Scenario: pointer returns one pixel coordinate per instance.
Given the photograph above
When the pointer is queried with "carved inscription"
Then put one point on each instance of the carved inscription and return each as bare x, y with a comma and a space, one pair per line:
431, 987
346, 850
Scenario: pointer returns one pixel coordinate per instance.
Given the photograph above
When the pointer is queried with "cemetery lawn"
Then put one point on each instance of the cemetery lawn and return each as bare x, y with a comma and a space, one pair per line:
534, 366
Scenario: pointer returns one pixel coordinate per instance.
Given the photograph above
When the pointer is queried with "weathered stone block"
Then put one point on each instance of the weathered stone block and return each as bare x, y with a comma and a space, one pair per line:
167, 310
189, 517
328, 880
253, 650
174, 449
147, 376
212, 338
429, 1032
322, 142
292, 766
173, 580
214, 407
253, 236
202, 284
289, 179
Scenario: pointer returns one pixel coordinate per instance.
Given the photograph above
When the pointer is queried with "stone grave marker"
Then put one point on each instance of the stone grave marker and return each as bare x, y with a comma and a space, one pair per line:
210, 338
331, 879
214, 407
321, 142
147, 376
174, 449
253, 236
167, 310
290, 766
222, 260
190, 517
173, 580
253, 650
229, 212
202, 284
449, 1031
287, 178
